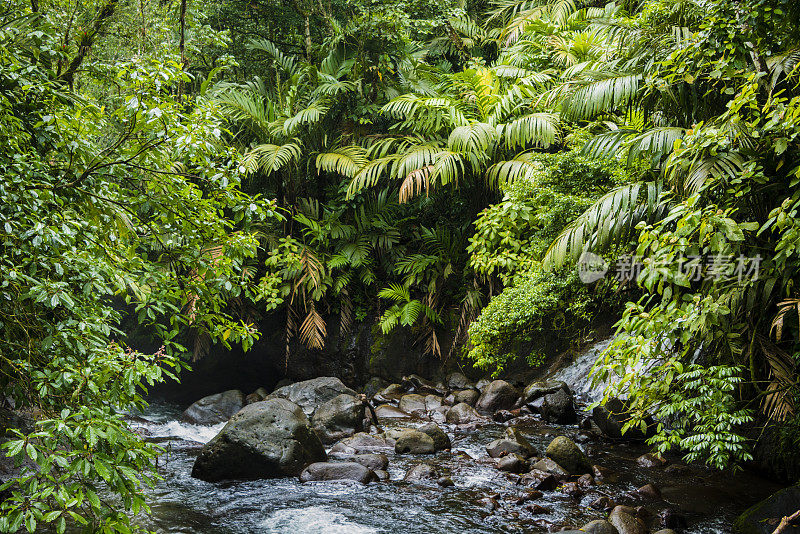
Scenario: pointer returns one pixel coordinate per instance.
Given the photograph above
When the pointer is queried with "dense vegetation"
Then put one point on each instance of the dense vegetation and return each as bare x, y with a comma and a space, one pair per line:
179, 171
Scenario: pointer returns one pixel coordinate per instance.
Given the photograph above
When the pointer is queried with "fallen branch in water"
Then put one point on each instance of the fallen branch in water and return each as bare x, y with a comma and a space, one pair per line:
786, 522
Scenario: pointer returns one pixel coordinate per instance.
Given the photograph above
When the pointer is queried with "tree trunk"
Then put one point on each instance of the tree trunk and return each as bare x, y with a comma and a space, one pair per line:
182, 46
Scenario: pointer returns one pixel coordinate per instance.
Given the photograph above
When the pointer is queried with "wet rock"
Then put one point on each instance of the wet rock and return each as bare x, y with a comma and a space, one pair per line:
678, 469
549, 466
338, 471
539, 480
498, 395
604, 503
256, 396
537, 390
529, 495
421, 473
373, 386
585, 481
361, 443
559, 408
763, 517
267, 439
572, 489
432, 402
412, 402
310, 394
512, 463
650, 460
417, 384
467, 396
439, 415
502, 416
463, 413
392, 390
338, 418
376, 462
666, 531
649, 491
565, 453
414, 442
382, 475
481, 384
599, 526
441, 441
537, 509
626, 523
387, 411
490, 503
503, 447
445, 482
458, 380
611, 417
215, 409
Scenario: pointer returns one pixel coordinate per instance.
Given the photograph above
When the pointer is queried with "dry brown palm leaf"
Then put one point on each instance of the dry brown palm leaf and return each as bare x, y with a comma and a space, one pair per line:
785, 309
414, 183
778, 402
313, 330
345, 313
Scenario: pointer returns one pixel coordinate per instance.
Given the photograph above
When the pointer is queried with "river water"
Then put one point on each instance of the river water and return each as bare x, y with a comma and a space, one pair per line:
708, 500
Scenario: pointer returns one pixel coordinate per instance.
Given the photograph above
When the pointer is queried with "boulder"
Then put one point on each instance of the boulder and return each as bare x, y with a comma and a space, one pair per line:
546, 465
650, 460
338, 418
338, 471
626, 523
498, 395
540, 480
763, 517
467, 396
559, 408
503, 446
421, 473
481, 384
414, 442
458, 381
599, 526
611, 417
392, 390
412, 402
537, 390
256, 396
267, 439
512, 463
441, 440
387, 411
374, 385
361, 443
417, 384
649, 492
216, 408
463, 413
310, 394
565, 453
376, 462
445, 482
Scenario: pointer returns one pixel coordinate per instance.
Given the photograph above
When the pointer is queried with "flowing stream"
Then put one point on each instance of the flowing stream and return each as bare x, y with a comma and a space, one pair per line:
708, 500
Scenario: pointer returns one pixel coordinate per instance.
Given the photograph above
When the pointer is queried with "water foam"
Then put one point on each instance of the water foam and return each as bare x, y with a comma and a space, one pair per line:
313, 520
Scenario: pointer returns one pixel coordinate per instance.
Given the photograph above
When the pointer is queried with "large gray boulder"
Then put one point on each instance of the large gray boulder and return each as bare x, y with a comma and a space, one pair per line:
558, 407
414, 442
338, 471
611, 417
565, 453
362, 443
499, 395
458, 380
338, 418
310, 394
441, 440
462, 413
536, 390
268, 439
216, 408
599, 526
763, 517
626, 523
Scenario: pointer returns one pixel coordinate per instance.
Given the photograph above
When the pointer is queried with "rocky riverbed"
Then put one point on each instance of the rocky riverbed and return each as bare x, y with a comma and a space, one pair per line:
517, 461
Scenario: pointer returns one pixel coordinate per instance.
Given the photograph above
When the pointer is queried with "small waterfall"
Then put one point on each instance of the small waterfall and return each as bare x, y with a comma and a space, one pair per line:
576, 375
